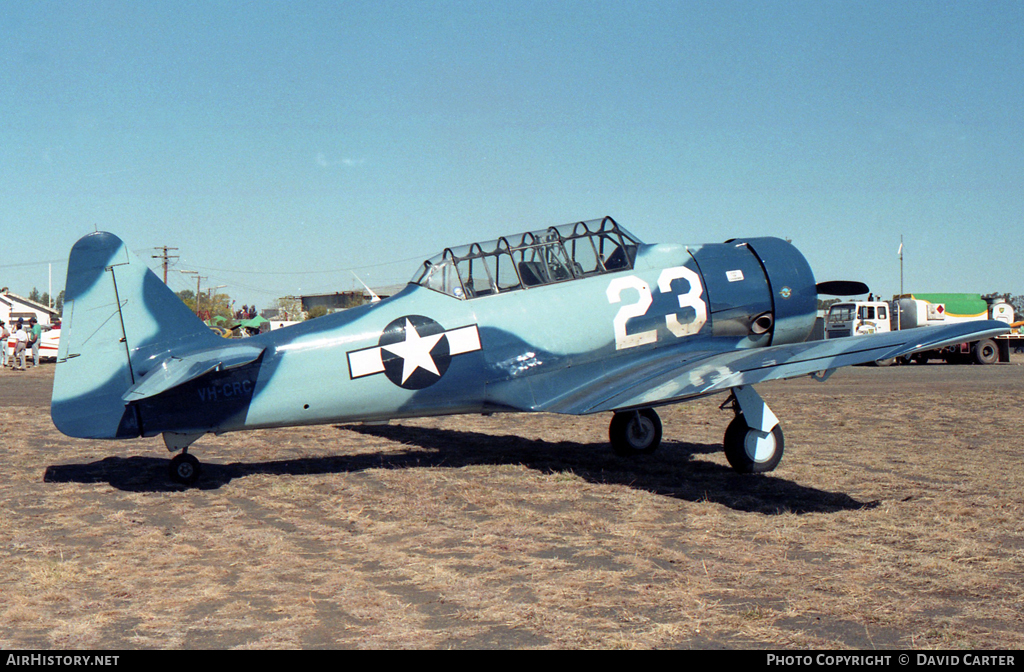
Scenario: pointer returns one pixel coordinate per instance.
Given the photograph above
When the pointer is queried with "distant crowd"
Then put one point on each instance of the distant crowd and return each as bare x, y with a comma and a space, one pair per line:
25, 337
246, 313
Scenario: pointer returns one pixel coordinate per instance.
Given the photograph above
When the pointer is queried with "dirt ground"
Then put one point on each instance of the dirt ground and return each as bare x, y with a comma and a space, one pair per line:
894, 521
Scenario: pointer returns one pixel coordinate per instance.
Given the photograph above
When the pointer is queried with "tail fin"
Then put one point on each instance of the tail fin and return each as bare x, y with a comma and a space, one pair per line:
119, 318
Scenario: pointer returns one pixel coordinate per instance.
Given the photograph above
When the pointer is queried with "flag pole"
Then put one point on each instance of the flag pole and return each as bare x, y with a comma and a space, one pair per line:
899, 308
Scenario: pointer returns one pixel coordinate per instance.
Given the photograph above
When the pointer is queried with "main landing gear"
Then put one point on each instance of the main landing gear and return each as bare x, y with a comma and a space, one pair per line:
184, 468
753, 441
635, 432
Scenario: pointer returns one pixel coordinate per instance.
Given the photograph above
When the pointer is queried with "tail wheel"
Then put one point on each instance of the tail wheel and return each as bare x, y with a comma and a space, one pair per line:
184, 469
750, 451
635, 432
986, 352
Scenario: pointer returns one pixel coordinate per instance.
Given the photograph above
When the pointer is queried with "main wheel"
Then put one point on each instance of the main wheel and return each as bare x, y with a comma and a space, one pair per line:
635, 432
184, 469
986, 352
750, 451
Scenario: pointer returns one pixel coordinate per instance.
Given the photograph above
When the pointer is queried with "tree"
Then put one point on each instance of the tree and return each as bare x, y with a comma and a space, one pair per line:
316, 311
43, 298
188, 297
1018, 305
218, 304
289, 308
823, 304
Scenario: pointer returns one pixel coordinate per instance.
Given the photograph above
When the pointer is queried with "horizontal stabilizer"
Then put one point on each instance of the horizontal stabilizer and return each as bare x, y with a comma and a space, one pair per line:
177, 370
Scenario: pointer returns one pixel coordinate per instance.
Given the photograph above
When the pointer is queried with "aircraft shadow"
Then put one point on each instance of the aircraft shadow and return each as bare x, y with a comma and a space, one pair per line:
670, 472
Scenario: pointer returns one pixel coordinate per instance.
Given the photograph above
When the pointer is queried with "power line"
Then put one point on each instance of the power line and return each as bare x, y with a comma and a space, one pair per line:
329, 270
34, 263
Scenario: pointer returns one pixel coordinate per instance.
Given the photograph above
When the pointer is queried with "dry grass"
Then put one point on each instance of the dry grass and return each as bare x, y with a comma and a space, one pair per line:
893, 521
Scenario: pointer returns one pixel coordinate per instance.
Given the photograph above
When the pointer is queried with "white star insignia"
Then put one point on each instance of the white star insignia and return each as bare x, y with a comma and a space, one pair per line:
415, 351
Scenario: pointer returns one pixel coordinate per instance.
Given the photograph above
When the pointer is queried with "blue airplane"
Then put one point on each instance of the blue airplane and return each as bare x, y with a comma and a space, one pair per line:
575, 319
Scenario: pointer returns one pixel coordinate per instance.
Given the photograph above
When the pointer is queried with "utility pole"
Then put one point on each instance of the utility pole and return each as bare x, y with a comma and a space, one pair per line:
199, 281
209, 297
165, 257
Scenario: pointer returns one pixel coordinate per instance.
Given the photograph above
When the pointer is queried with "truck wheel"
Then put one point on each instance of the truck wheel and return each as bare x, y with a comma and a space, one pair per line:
986, 352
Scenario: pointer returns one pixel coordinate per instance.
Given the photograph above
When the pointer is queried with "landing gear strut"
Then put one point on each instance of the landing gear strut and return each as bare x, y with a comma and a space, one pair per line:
635, 432
753, 441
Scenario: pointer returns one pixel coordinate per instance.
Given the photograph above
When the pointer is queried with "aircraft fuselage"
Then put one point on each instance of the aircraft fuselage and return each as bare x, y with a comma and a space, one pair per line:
424, 352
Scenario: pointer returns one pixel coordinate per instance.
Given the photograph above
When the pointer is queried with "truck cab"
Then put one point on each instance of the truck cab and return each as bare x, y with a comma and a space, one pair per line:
857, 318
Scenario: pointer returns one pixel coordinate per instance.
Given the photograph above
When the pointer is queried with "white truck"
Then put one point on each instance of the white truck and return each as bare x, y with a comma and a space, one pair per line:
909, 311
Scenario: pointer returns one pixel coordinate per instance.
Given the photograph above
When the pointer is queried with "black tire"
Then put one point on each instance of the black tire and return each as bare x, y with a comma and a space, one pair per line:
635, 432
184, 469
740, 448
986, 352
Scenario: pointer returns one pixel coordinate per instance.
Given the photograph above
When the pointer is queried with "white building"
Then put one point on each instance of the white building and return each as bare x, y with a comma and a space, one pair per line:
13, 306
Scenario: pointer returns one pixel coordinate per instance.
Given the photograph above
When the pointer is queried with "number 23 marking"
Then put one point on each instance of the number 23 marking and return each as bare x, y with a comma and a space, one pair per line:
691, 299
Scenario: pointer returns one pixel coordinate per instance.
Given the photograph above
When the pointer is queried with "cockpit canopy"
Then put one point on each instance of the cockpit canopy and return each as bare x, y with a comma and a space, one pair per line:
524, 260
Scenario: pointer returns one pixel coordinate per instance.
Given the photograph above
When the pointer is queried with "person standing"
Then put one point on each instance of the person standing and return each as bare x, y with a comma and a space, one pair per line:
35, 333
21, 338
5, 335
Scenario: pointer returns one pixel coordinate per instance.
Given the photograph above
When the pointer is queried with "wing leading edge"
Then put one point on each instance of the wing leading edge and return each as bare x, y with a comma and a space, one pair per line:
666, 382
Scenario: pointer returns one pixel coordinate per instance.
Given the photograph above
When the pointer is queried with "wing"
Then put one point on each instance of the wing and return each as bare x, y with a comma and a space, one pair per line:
666, 380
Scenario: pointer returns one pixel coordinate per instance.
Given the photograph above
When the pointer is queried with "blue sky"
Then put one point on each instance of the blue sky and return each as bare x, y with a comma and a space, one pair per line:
280, 145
